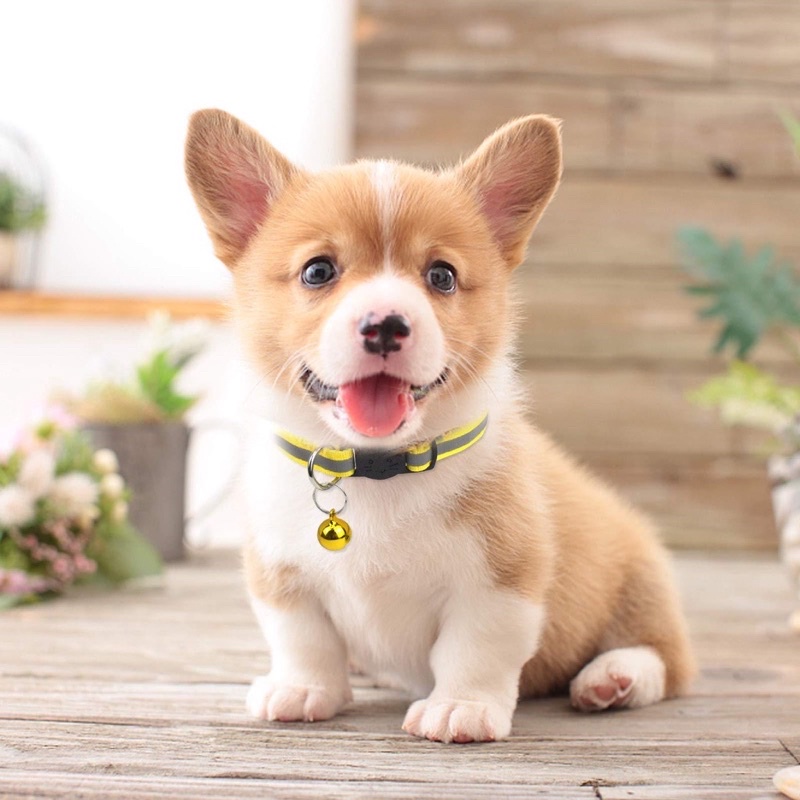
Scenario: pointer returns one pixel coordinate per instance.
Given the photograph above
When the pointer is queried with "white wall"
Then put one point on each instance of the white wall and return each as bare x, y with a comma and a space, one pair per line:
103, 90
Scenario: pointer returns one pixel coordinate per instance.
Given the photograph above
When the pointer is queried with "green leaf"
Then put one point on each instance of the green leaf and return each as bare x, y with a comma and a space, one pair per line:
75, 453
792, 125
122, 554
156, 383
11, 600
749, 294
20, 209
747, 395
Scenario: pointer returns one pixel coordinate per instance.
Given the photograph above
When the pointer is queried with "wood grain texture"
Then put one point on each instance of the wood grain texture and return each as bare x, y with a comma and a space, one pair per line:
636, 126
762, 38
622, 411
141, 695
674, 39
608, 316
627, 222
439, 120
706, 502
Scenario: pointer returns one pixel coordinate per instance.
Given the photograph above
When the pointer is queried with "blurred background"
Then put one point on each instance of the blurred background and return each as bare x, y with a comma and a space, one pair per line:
672, 117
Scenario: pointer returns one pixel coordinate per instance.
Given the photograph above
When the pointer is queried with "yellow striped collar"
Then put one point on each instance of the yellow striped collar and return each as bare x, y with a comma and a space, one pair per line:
380, 464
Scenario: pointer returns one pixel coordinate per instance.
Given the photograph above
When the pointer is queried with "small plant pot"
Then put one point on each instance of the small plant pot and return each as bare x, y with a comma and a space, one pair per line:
8, 259
784, 473
152, 460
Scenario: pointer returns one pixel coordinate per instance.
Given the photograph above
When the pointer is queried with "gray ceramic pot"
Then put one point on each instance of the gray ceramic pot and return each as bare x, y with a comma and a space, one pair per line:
152, 460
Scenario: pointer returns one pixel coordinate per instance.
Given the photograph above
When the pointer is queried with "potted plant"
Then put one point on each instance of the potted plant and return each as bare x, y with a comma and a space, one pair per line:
20, 211
142, 418
756, 298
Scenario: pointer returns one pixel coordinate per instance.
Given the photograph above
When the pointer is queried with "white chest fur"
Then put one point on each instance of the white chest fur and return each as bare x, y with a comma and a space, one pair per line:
385, 593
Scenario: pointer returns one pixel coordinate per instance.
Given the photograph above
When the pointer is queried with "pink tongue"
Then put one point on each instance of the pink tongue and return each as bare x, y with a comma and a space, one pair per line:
376, 406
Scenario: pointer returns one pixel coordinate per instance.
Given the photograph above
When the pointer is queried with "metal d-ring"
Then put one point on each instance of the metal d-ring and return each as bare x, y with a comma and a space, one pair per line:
314, 482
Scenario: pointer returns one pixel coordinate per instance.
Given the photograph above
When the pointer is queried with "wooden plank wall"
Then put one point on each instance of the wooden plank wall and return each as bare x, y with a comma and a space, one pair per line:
657, 97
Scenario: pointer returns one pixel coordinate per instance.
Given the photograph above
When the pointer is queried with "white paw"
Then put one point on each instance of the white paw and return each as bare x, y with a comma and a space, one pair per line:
461, 721
627, 677
283, 702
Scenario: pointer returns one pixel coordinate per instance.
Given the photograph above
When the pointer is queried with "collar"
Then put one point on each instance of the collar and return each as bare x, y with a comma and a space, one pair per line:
382, 464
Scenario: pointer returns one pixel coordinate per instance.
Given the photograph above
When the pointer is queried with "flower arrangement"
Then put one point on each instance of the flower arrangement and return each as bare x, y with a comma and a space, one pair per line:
150, 394
64, 516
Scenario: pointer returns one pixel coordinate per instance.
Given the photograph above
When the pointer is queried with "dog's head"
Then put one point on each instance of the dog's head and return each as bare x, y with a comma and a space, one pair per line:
373, 294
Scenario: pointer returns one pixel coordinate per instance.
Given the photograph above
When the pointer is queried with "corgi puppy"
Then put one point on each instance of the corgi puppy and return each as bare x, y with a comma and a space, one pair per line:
484, 565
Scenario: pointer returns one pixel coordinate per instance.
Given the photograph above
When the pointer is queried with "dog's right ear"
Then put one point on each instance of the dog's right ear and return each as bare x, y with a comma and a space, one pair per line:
235, 175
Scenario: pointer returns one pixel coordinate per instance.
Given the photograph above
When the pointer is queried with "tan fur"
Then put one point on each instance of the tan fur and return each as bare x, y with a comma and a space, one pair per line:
551, 532
556, 534
277, 584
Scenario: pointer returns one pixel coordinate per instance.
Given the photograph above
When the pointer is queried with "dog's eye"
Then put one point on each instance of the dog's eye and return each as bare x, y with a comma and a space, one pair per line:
442, 277
318, 271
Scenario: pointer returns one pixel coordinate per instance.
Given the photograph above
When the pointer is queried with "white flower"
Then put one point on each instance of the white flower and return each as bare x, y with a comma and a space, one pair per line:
105, 461
72, 493
87, 517
112, 485
17, 506
119, 513
36, 473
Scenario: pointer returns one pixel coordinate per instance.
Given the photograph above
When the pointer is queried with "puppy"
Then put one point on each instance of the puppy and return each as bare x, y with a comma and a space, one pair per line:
485, 565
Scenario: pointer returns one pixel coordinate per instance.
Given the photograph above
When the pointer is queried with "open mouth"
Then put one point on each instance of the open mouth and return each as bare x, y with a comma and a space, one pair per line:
375, 406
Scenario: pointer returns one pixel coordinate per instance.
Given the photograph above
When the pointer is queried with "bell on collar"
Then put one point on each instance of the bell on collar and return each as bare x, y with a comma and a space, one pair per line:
334, 533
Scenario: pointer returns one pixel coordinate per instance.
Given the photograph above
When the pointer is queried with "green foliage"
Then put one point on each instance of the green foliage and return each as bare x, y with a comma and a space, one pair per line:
10, 469
122, 554
746, 395
11, 557
19, 209
74, 453
749, 294
156, 380
792, 125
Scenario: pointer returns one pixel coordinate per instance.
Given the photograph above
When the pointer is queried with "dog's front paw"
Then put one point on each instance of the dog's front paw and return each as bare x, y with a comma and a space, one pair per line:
273, 700
461, 721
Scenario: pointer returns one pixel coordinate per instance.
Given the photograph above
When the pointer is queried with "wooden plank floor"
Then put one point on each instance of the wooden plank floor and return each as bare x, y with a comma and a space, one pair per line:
141, 694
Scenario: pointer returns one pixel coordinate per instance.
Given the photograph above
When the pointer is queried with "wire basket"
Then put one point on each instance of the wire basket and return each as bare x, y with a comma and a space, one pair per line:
22, 210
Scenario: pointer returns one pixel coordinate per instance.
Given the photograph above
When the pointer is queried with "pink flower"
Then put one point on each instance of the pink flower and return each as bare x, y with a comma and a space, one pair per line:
17, 582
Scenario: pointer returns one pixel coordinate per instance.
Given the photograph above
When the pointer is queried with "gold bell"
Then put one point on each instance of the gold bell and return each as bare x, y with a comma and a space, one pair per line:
334, 533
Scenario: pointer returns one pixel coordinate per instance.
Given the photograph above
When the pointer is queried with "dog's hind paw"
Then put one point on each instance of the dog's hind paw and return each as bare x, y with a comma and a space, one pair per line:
282, 702
627, 677
459, 721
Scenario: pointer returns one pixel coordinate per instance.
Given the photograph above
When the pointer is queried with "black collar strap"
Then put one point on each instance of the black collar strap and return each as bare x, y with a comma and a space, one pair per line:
381, 464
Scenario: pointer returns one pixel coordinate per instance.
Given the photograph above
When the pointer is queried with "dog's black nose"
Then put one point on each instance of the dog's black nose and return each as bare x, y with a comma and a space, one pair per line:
383, 336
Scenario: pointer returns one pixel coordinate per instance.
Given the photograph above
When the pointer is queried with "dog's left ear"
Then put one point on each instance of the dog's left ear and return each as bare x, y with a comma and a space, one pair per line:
515, 173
